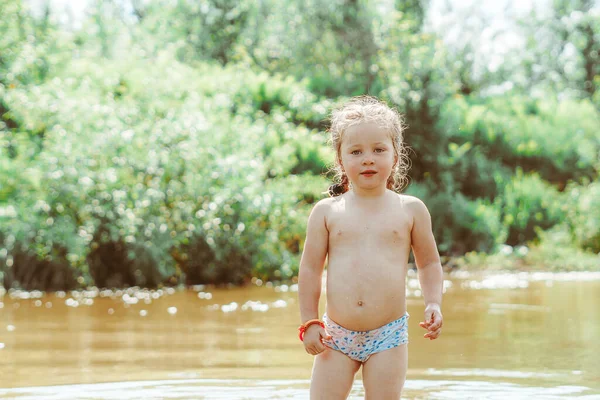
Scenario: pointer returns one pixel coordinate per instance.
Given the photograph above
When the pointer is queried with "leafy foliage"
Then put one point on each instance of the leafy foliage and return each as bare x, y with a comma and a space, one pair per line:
183, 142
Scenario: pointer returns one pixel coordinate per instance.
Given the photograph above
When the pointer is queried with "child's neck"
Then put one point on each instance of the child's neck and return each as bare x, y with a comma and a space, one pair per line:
367, 194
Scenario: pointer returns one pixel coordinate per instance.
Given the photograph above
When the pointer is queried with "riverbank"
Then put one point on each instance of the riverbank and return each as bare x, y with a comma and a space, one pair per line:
544, 257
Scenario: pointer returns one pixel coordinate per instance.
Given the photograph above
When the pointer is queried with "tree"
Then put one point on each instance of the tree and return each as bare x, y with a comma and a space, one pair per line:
563, 49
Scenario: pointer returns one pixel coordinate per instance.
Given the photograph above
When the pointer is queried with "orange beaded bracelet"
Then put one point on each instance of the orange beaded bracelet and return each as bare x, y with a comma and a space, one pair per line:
302, 328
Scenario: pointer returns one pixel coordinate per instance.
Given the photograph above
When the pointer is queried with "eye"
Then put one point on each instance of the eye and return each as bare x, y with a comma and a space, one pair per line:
379, 150
355, 152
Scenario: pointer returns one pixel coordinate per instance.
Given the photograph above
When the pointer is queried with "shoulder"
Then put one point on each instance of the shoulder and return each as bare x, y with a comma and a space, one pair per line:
326, 203
320, 211
414, 206
331, 203
411, 202
322, 207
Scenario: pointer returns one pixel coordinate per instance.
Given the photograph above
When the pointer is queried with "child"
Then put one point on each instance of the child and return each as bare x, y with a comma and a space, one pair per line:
366, 230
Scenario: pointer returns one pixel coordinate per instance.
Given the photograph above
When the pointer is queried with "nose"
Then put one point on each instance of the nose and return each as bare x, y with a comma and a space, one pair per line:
367, 160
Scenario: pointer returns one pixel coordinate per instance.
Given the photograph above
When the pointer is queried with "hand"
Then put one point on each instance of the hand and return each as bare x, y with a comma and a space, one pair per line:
433, 321
313, 339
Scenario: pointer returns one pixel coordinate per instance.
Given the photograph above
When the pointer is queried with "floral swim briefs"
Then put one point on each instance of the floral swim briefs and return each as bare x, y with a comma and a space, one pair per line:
360, 345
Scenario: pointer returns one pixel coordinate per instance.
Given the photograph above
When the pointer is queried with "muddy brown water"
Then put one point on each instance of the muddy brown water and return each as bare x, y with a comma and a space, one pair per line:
505, 336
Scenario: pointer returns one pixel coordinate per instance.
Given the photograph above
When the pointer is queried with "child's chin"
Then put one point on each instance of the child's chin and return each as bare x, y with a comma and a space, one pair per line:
371, 185
370, 178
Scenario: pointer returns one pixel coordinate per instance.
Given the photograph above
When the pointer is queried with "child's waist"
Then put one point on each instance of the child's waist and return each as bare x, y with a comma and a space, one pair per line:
332, 324
365, 318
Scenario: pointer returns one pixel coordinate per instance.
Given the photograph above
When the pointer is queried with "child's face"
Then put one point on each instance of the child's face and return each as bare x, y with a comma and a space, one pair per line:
367, 155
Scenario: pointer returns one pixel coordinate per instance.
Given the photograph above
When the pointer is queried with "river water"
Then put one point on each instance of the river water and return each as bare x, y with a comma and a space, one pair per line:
517, 336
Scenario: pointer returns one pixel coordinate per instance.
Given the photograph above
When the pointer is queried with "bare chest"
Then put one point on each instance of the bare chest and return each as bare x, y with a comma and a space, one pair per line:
391, 229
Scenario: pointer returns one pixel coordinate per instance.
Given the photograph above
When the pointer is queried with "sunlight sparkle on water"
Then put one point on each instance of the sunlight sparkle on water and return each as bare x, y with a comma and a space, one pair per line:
255, 306
71, 303
229, 307
279, 304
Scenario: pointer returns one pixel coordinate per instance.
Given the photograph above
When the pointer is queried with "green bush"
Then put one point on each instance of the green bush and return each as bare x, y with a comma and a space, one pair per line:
557, 251
461, 225
558, 140
159, 150
554, 251
583, 216
528, 204
147, 180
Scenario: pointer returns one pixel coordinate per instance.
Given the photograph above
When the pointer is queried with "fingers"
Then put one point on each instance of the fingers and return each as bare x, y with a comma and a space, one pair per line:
433, 321
315, 349
324, 335
436, 324
438, 321
433, 324
433, 334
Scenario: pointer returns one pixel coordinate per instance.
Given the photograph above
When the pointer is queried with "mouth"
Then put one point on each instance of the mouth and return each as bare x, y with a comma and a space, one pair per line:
368, 173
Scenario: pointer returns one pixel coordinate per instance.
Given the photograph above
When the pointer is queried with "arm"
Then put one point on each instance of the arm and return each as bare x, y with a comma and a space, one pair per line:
429, 267
310, 276
312, 263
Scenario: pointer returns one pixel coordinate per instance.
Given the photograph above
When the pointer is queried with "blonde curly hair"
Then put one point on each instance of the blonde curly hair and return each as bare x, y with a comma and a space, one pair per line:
363, 109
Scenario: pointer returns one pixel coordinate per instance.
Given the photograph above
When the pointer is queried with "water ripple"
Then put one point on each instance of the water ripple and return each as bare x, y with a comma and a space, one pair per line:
287, 389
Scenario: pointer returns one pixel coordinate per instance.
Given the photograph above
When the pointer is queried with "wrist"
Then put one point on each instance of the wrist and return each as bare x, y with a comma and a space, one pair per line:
303, 328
